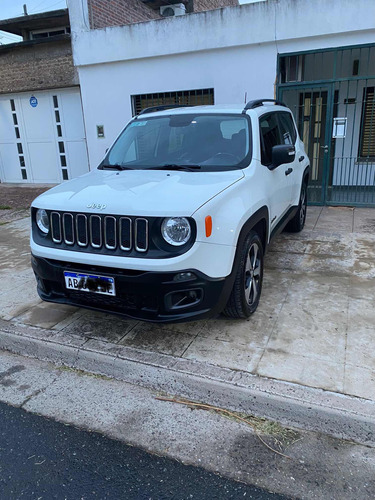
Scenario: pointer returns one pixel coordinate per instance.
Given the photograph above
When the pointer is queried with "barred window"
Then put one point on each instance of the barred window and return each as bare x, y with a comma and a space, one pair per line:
367, 134
183, 97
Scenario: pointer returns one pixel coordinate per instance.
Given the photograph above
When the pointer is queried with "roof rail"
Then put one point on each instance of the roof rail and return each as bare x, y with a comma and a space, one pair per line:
153, 109
259, 102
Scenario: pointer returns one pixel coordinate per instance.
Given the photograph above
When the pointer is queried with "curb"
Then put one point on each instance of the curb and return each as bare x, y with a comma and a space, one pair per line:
341, 416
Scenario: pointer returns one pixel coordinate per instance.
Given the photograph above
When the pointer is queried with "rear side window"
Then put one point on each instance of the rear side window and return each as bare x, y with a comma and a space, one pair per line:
269, 136
287, 129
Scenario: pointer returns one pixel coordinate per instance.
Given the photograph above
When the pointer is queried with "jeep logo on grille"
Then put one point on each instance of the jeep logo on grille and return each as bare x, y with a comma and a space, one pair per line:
98, 206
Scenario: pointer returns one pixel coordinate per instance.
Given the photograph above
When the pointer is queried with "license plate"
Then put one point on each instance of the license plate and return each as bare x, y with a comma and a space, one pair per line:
90, 283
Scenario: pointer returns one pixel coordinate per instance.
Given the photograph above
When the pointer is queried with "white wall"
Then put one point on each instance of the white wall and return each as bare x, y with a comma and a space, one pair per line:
106, 89
234, 50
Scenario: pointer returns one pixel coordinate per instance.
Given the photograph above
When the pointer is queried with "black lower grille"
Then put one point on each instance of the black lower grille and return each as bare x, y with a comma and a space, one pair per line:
124, 301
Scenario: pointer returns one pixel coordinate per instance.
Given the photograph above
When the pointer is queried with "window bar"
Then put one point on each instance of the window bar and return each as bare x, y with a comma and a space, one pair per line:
353, 159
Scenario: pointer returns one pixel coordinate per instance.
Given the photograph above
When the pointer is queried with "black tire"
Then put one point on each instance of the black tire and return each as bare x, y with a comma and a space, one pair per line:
296, 224
247, 287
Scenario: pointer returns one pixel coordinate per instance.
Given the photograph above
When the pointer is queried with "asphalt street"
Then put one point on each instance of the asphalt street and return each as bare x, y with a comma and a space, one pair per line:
44, 459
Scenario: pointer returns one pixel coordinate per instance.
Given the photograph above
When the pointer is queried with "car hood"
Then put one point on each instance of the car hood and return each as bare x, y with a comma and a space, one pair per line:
138, 192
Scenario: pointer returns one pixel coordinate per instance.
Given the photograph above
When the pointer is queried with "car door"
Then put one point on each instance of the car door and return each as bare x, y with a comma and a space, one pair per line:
278, 184
289, 136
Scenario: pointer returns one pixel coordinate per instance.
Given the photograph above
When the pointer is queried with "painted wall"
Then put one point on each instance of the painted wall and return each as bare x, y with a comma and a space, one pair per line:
233, 50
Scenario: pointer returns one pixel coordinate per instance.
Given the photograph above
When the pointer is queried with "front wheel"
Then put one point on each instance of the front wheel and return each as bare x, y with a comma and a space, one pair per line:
247, 288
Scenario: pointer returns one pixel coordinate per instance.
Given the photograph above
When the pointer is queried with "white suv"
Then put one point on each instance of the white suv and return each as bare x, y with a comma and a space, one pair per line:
174, 223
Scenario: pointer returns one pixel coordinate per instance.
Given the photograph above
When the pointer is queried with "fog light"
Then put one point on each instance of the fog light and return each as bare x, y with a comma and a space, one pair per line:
184, 277
183, 299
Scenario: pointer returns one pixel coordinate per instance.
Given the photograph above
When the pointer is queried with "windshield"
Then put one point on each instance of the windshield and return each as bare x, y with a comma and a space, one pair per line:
193, 141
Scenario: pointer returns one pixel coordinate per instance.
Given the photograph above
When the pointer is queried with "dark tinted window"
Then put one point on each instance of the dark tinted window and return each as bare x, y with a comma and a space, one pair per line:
269, 136
287, 129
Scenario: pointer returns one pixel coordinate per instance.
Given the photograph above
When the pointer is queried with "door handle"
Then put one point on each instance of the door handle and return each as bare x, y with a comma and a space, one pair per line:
301, 158
325, 148
289, 171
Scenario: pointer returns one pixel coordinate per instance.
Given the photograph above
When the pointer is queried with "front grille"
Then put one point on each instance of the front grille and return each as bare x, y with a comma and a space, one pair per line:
100, 231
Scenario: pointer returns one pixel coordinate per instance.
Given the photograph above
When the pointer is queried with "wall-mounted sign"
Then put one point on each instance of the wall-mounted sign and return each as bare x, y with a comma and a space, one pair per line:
33, 101
339, 128
100, 131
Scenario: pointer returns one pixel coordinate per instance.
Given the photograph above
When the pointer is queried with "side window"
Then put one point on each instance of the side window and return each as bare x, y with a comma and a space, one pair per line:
287, 129
269, 136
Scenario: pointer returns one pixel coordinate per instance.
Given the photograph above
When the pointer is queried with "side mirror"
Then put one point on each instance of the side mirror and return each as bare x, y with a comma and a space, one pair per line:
284, 153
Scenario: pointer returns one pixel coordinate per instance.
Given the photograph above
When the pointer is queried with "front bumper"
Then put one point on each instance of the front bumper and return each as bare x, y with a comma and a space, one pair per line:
144, 295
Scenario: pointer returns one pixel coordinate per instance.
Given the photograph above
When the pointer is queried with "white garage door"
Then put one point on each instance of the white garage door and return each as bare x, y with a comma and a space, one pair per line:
42, 137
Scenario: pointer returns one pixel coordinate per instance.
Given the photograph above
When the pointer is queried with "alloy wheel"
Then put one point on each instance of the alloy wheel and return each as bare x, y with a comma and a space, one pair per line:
252, 274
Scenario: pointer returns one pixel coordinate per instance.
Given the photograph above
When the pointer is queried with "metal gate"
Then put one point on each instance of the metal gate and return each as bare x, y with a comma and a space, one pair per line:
331, 93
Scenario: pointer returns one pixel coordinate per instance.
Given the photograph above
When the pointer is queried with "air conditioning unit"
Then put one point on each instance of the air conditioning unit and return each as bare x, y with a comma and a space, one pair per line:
177, 9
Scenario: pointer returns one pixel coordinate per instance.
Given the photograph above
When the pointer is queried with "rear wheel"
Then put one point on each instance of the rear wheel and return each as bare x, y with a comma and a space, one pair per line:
247, 288
296, 224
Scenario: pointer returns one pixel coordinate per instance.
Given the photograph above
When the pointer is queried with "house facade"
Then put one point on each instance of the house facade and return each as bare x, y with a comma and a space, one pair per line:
319, 57
42, 133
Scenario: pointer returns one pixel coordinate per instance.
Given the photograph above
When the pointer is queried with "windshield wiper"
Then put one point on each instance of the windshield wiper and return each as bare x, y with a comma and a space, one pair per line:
174, 166
116, 166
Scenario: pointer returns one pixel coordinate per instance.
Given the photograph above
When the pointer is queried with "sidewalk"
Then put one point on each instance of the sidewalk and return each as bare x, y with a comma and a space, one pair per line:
315, 326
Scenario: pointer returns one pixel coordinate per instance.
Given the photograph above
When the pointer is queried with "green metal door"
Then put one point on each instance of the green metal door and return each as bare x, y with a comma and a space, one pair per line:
312, 109
332, 95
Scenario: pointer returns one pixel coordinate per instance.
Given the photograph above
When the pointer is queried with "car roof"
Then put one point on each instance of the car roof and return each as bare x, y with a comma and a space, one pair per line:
215, 109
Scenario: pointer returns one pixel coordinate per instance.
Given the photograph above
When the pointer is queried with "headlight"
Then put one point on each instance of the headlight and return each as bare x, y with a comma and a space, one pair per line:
42, 220
176, 231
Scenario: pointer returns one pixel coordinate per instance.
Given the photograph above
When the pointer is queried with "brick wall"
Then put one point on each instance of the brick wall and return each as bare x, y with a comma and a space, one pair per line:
37, 67
200, 5
118, 12
104, 13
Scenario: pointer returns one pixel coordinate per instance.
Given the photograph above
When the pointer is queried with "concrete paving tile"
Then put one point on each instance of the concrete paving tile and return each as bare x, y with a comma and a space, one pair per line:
297, 334
312, 216
326, 290
360, 382
339, 218
335, 247
302, 370
14, 245
362, 288
11, 279
191, 328
46, 314
328, 264
153, 337
225, 354
70, 319
253, 332
285, 244
360, 347
100, 326
284, 260
256, 330
361, 314
20, 299
364, 220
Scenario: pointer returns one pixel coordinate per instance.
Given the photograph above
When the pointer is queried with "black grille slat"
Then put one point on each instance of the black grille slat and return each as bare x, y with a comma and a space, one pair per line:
141, 235
82, 232
125, 237
56, 227
95, 231
110, 237
68, 229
